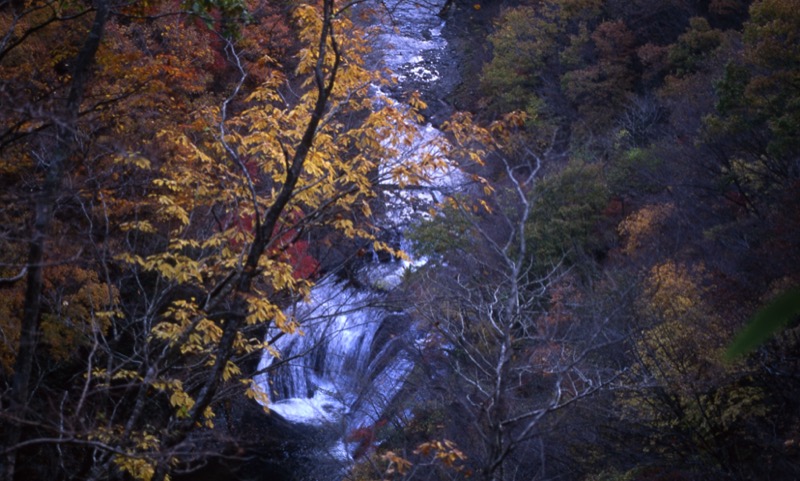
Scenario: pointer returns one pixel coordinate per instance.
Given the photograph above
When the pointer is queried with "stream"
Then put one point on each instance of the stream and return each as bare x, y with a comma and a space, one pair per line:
356, 351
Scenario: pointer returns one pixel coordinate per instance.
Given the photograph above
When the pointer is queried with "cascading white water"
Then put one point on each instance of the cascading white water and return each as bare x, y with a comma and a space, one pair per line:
336, 370
354, 355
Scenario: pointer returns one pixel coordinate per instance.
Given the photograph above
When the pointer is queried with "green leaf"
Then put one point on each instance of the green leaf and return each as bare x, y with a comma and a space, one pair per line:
771, 318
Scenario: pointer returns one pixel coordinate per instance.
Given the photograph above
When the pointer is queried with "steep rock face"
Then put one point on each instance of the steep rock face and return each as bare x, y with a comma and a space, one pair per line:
466, 29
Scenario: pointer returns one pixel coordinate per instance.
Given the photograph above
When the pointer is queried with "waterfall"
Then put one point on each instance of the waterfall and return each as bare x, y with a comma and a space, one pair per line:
355, 354
339, 369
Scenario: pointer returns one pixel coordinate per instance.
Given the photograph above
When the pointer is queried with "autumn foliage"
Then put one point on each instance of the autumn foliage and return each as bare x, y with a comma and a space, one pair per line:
166, 170
654, 178
173, 173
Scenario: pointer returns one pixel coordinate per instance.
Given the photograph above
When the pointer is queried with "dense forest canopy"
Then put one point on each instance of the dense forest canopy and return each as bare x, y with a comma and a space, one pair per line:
175, 174
640, 214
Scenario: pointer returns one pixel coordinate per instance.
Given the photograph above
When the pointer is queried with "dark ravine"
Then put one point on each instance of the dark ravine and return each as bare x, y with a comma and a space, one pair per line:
278, 450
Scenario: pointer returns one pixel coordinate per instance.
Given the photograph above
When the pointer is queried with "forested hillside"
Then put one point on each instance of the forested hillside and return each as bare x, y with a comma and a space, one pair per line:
642, 164
175, 175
